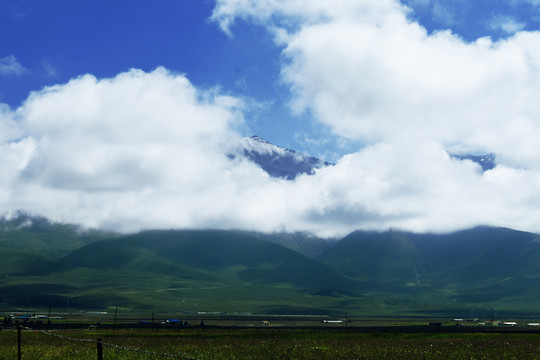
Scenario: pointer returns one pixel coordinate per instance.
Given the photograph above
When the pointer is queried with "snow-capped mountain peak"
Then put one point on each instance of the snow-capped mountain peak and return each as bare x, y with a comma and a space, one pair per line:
285, 163
276, 161
261, 146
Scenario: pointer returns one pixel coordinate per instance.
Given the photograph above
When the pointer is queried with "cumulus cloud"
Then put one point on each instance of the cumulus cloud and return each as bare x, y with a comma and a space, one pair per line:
10, 66
140, 149
279, 15
148, 150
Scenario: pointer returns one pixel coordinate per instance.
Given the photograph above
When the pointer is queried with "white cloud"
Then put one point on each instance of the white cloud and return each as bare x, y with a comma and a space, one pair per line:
147, 150
293, 14
10, 66
506, 24
140, 149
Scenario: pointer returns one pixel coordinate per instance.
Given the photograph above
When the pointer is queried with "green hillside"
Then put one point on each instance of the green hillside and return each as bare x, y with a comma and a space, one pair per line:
483, 268
24, 263
40, 235
188, 271
227, 254
371, 256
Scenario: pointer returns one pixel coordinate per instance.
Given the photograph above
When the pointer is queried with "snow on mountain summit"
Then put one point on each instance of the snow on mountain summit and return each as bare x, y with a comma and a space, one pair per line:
276, 161
261, 146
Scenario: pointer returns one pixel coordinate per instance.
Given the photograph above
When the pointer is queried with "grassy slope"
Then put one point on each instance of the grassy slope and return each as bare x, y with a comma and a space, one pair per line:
391, 273
482, 268
44, 237
226, 253
302, 243
187, 271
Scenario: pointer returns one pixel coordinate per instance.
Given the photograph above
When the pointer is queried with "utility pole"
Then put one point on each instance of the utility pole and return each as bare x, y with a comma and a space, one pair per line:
100, 349
19, 345
49, 317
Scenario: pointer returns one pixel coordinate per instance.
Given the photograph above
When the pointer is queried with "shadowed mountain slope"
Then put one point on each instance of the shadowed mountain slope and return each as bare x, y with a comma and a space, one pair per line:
484, 266
227, 253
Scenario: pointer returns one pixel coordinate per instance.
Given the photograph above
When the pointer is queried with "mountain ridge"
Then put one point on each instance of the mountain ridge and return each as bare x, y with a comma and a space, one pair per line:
384, 273
285, 163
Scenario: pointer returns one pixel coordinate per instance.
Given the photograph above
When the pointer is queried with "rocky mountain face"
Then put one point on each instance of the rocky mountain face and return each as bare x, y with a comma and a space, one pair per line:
276, 161
487, 162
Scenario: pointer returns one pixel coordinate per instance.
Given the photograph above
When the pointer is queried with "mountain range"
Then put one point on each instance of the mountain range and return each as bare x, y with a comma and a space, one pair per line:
288, 164
483, 270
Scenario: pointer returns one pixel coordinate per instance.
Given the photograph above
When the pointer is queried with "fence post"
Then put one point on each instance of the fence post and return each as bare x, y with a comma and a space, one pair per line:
49, 317
115, 312
19, 345
99, 349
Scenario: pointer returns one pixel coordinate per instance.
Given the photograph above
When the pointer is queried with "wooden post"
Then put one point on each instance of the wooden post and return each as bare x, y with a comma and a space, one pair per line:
115, 312
99, 349
152, 321
19, 345
49, 317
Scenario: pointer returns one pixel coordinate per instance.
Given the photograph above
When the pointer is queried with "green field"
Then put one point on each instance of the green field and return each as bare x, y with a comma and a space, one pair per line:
268, 343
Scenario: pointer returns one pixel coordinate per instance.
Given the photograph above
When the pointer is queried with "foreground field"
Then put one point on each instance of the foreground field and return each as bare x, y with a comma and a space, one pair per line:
267, 344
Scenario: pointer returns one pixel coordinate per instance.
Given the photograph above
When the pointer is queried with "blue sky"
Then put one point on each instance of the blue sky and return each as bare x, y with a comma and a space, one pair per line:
474, 19
56, 40
117, 114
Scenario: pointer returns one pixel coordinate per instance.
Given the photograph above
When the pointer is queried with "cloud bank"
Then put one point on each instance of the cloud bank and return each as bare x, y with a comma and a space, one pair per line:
147, 150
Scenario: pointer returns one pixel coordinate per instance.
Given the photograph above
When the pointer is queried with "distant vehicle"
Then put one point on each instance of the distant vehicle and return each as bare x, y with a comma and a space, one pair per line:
174, 322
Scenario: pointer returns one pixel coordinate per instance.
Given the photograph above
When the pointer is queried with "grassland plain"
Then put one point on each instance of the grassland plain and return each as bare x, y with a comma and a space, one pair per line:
270, 344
